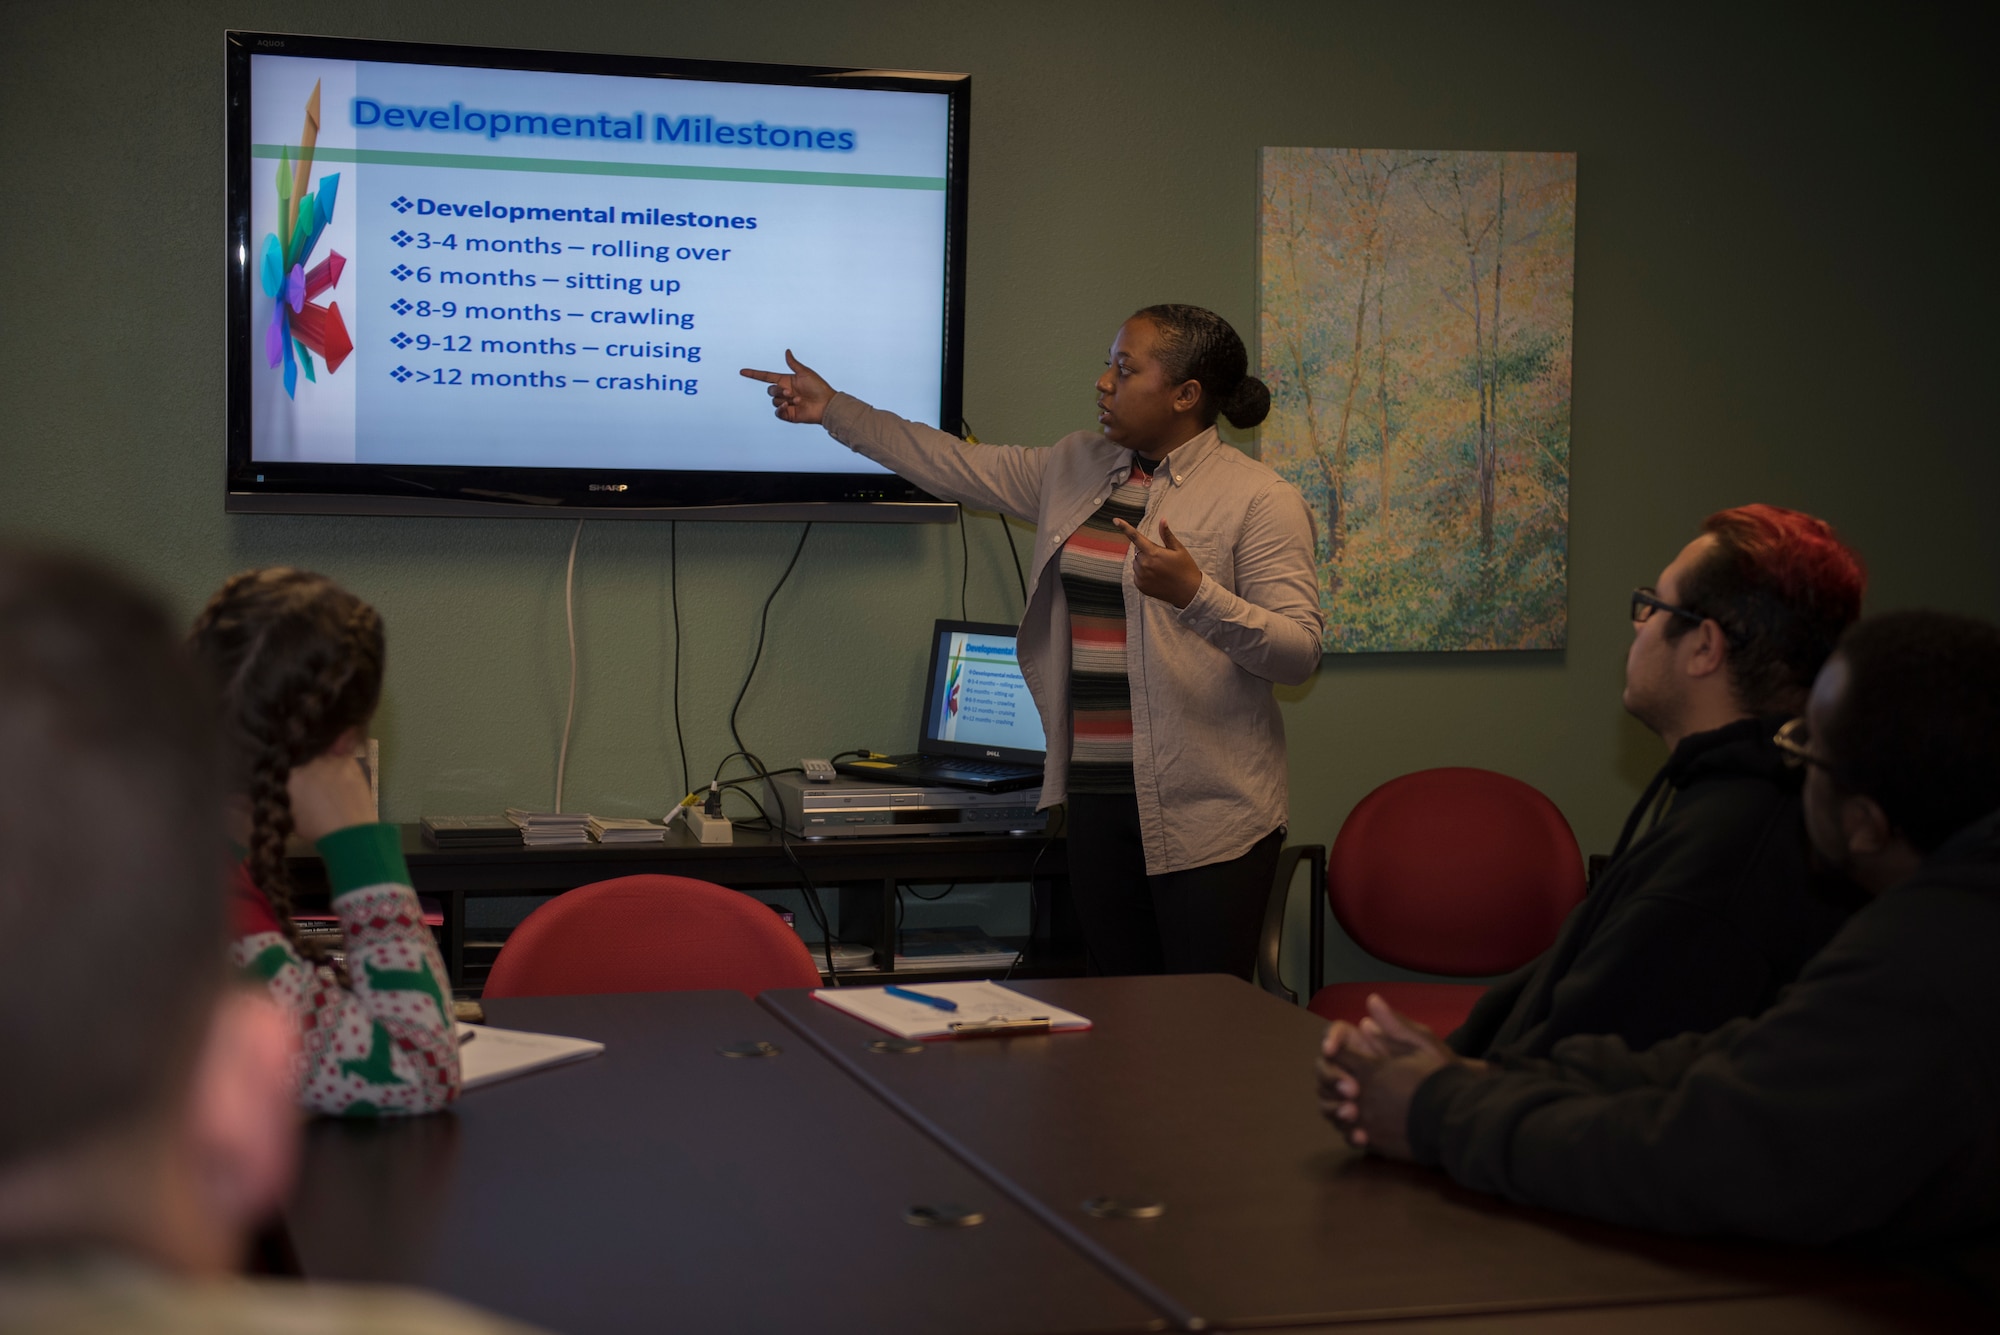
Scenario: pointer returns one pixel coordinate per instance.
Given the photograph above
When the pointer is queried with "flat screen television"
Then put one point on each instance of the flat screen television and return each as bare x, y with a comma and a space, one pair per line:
473, 281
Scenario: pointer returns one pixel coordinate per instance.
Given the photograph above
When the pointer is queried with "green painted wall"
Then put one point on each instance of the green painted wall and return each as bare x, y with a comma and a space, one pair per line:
1782, 277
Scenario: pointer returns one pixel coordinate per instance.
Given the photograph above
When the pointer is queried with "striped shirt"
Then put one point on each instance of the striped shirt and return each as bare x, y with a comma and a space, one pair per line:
1092, 566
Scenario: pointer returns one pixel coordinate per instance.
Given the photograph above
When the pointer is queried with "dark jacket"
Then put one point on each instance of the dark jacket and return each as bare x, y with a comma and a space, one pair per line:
1701, 919
1864, 1105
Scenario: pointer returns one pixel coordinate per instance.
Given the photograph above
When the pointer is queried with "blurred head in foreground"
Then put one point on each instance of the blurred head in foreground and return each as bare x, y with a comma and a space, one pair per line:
148, 1106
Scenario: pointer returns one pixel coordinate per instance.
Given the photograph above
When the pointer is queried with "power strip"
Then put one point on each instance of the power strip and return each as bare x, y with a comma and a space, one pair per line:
709, 829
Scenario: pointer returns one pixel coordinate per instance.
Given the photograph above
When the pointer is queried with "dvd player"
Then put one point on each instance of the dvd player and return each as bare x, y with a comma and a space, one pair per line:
863, 809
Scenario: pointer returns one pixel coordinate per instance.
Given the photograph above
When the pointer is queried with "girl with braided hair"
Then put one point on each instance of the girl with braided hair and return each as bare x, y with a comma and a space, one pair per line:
1173, 586
298, 662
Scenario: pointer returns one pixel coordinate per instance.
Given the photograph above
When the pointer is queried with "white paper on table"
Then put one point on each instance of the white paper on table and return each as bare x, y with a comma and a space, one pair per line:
486, 1055
978, 1003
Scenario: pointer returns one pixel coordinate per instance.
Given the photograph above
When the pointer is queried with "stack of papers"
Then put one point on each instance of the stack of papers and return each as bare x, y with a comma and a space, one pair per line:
973, 1007
618, 830
552, 829
486, 1055
471, 832
952, 948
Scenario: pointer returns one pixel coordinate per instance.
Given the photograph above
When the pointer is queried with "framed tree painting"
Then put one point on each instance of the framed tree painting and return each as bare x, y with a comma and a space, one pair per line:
1415, 329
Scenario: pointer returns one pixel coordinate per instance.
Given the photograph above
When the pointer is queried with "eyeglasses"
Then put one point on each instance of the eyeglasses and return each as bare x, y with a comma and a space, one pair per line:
1794, 740
1647, 601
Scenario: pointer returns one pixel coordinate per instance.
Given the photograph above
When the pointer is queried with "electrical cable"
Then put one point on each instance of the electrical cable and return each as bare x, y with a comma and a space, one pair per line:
814, 908
1014, 552
813, 905
674, 589
1021, 578
761, 823
569, 618
964, 566
763, 621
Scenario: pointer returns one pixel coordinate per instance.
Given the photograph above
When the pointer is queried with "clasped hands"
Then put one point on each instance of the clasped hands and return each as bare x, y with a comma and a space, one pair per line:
1369, 1073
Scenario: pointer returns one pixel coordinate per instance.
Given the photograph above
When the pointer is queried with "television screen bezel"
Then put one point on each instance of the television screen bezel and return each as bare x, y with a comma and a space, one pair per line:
268, 487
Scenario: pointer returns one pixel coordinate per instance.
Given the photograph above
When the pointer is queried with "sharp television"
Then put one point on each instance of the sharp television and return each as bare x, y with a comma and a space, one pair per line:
473, 281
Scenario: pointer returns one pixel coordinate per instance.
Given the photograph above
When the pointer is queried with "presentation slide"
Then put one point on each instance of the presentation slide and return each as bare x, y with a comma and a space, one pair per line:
984, 701
523, 269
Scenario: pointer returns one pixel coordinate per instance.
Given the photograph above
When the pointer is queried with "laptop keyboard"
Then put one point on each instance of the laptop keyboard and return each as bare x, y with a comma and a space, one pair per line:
986, 769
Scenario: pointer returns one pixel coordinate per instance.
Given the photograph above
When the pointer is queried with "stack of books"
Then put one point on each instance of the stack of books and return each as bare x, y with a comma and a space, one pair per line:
932, 948
471, 832
619, 830
552, 829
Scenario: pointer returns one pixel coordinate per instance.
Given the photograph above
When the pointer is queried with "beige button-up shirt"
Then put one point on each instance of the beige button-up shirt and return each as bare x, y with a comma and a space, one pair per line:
1208, 745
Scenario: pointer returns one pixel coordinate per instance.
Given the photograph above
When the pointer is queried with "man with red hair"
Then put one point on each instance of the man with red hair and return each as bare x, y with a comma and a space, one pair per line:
1708, 904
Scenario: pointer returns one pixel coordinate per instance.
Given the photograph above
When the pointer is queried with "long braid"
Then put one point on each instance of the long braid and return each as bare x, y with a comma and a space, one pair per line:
299, 661
270, 830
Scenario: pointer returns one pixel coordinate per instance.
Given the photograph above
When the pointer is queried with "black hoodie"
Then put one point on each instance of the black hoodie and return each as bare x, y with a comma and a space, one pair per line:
1864, 1104
1701, 919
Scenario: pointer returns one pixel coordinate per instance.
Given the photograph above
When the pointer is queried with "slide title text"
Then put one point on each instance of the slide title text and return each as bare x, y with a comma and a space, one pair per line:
368, 114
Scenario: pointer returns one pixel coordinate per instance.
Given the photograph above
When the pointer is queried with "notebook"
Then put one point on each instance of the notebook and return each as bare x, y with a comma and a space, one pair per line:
980, 728
983, 1008
486, 1055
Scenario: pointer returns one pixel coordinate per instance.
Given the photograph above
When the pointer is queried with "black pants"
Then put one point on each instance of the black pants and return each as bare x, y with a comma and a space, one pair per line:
1203, 920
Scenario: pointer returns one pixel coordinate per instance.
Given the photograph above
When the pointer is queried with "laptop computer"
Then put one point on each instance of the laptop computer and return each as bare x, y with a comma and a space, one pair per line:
980, 728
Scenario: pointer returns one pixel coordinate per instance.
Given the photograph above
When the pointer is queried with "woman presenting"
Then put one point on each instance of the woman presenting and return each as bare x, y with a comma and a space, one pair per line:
1173, 584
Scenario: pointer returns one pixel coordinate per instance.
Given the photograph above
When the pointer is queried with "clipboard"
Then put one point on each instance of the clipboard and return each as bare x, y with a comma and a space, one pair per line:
985, 1010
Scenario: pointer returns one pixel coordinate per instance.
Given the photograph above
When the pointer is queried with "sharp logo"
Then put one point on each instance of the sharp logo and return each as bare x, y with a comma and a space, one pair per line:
607, 486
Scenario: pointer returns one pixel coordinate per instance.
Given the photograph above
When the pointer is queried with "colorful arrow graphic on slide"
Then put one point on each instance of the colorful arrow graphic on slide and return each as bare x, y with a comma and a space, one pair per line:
297, 325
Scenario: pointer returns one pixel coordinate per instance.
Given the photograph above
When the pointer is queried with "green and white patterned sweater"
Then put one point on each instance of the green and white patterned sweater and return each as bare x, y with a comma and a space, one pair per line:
384, 1043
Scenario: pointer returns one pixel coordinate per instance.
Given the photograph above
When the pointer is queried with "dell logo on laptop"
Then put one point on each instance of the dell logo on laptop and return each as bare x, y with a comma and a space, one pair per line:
992, 755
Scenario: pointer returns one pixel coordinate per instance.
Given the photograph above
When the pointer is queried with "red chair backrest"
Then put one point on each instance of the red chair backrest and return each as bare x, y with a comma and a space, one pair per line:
650, 934
1454, 871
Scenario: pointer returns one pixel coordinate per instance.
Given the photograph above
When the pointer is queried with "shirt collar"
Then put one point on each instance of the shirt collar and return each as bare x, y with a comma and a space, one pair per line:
1181, 461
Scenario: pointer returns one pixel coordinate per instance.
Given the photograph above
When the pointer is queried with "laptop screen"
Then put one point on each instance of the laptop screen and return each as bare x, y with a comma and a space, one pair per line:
977, 704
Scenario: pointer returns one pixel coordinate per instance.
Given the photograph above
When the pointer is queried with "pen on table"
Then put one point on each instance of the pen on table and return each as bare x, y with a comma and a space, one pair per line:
907, 995
466, 1036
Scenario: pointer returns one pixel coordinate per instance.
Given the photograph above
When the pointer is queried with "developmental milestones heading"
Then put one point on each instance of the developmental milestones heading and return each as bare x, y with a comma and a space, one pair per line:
366, 113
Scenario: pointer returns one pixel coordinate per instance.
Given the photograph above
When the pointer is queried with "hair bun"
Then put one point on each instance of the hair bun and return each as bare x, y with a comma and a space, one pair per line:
1249, 405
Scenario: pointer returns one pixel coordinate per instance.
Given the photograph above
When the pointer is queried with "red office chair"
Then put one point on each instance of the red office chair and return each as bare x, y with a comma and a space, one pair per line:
650, 934
1454, 871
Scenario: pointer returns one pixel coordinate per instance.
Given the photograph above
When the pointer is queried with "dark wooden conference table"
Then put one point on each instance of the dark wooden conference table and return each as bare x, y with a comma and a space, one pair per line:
665, 1185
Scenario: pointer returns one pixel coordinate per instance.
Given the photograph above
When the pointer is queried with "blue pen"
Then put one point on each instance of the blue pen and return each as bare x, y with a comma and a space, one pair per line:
908, 995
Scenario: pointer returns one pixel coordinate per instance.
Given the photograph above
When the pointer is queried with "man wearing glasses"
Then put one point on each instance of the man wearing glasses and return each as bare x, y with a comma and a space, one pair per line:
1865, 1105
1708, 904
